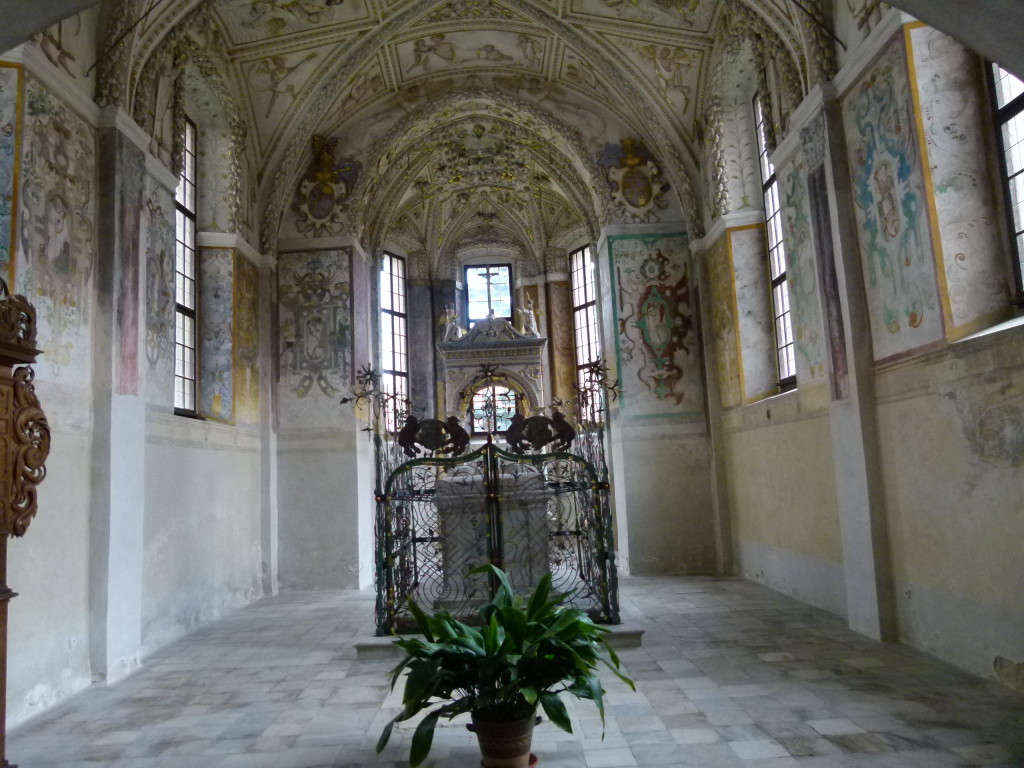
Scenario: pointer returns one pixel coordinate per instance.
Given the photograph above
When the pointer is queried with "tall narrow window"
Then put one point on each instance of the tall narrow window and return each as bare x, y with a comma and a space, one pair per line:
489, 288
584, 317
394, 353
185, 278
1009, 96
784, 345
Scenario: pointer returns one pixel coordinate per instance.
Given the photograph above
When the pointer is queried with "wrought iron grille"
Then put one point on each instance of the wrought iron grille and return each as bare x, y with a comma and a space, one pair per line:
529, 514
538, 506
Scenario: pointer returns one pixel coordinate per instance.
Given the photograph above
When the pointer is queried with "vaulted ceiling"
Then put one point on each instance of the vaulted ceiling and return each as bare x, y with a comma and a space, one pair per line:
452, 124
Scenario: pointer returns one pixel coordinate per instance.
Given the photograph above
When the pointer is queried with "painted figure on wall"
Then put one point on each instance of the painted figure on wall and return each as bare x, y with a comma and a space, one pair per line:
434, 46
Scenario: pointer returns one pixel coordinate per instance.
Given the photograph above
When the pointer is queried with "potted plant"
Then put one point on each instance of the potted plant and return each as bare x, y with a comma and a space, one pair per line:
524, 654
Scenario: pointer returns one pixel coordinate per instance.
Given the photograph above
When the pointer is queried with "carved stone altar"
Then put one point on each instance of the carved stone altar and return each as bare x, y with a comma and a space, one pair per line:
24, 446
512, 356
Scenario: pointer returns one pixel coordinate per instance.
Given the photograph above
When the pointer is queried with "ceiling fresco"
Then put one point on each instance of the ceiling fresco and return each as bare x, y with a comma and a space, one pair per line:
551, 85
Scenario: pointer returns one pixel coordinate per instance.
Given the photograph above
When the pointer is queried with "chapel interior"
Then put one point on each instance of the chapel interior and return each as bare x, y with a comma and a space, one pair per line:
789, 232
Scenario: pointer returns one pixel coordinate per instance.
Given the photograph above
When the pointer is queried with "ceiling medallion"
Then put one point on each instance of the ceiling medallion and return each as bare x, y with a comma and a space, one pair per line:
322, 193
634, 180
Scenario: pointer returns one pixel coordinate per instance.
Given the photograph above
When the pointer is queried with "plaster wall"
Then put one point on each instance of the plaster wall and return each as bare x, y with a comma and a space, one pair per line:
785, 524
48, 628
663, 473
951, 436
202, 543
322, 509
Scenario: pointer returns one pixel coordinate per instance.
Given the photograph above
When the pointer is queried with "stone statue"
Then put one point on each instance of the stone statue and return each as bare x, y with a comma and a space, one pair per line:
528, 319
451, 324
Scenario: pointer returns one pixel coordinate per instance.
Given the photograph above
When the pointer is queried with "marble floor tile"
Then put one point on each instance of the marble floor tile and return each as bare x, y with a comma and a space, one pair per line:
730, 675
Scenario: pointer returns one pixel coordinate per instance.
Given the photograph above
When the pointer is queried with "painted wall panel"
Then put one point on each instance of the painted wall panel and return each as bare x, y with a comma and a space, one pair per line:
724, 327
891, 210
10, 140
57, 233
965, 214
658, 352
246, 390
216, 322
802, 272
315, 336
159, 295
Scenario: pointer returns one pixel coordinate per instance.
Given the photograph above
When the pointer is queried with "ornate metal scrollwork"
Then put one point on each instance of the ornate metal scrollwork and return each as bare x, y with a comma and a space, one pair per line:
31, 447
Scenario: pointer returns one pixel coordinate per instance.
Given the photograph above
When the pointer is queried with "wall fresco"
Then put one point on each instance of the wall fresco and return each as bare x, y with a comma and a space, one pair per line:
10, 136
159, 297
802, 272
722, 293
560, 338
216, 360
892, 221
56, 232
748, 246
440, 51
131, 169
953, 127
247, 342
314, 296
659, 356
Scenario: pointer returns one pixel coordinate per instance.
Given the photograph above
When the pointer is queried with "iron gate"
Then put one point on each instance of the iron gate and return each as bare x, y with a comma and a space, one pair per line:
438, 518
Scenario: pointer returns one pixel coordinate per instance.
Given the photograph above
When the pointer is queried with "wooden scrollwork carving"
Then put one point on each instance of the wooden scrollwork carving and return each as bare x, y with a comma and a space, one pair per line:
31, 446
17, 319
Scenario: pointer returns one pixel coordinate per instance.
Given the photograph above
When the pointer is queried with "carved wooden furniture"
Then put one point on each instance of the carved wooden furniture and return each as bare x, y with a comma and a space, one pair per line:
24, 446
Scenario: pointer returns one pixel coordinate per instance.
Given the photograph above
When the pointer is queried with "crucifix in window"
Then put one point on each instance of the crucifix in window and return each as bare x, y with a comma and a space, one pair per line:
489, 290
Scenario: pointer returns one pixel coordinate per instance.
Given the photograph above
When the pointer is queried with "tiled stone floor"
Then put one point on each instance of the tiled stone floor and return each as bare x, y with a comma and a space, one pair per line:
730, 675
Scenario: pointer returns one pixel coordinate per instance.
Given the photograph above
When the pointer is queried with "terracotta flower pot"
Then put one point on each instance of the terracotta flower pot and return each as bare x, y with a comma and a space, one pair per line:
505, 744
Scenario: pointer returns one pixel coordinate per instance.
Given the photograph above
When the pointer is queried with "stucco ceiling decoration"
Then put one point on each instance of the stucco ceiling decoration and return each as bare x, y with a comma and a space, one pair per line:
606, 70
472, 170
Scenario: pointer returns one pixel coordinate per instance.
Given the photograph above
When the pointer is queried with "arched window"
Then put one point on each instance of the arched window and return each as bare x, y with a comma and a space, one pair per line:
492, 409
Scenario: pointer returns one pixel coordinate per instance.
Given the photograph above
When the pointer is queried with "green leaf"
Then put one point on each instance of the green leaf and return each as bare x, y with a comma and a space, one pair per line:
597, 694
422, 739
615, 671
530, 694
515, 627
422, 680
422, 621
555, 710
386, 733
539, 597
